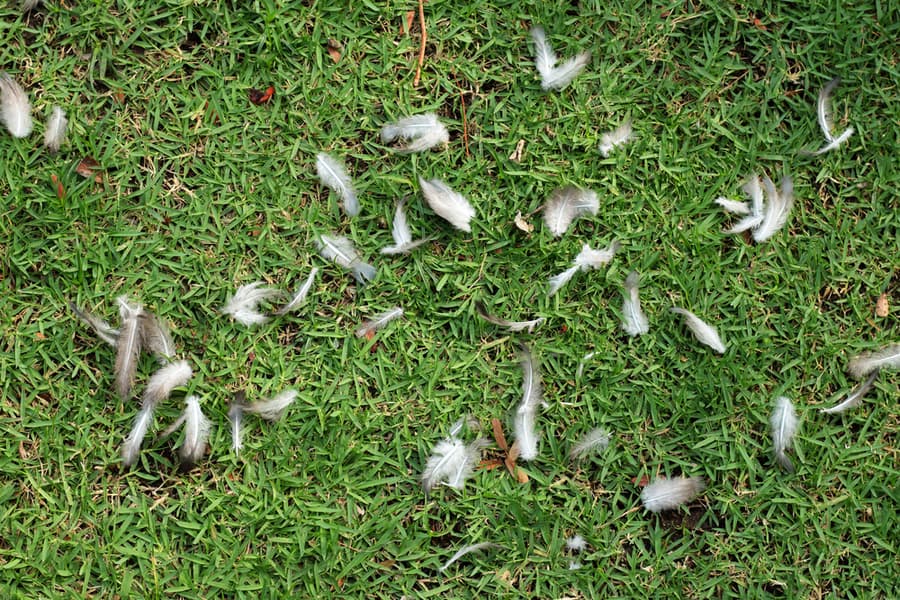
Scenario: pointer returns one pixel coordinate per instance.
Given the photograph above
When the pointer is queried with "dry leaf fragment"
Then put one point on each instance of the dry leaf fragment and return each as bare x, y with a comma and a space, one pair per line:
258, 97
522, 223
410, 17
521, 475
60, 191
882, 307
511, 457
499, 438
90, 169
335, 49
516, 155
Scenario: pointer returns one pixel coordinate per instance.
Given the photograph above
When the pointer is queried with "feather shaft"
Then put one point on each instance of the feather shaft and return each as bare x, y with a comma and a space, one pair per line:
378, 321
784, 425
128, 347
526, 415
467, 550
514, 326
634, 321
855, 397
131, 447
299, 298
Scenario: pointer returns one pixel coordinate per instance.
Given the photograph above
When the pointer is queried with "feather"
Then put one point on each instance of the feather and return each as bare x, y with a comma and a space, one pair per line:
777, 208
754, 210
15, 109
567, 204
733, 206
339, 249
128, 348
29, 5
555, 77
156, 337
595, 440
784, 426
524, 420
272, 410
464, 469
448, 204
587, 259
300, 296
823, 112
617, 137
704, 332
855, 397
446, 457
332, 174
634, 321
369, 327
886, 358
196, 434
166, 379
576, 543
515, 326
466, 550
131, 447
403, 241
104, 330
666, 494
243, 306
560, 279
422, 132
55, 131
236, 418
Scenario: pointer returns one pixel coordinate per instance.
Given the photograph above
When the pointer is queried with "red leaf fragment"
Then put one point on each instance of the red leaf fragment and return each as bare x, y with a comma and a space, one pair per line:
60, 191
258, 97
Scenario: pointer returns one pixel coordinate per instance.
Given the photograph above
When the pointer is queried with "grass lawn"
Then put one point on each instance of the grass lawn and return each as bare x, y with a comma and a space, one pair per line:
200, 191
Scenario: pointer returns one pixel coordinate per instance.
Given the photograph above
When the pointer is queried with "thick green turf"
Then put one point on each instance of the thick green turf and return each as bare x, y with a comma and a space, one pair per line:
202, 192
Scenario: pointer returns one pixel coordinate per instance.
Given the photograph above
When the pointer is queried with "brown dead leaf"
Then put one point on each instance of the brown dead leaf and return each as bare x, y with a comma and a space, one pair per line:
335, 49
522, 223
410, 17
511, 457
521, 476
882, 306
516, 155
259, 97
60, 191
644, 480
90, 169
499, 438
491, 464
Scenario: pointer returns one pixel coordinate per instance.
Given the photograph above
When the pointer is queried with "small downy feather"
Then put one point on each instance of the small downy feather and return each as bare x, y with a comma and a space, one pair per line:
886, 358
372, 325
704, 332
403, 242
514, 326
236, 419
166, 379
754, 210
666, 494
587, 259
555, 77
567, 204
15, 110
55, 131
339, 249
156, 337
271, 410
594, 441
131, 447
634, 321
784, 426
466, 550
777, 208
243, 306
299, 297
823, 112
855, 397
333, 175
128, 348
733, 206
452, 462
448, 204
524, 429
422, 132
104, 330
576, 544
196, 434
617, 137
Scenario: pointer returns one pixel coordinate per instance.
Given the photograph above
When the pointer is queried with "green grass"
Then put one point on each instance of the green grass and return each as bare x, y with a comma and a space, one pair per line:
203, 192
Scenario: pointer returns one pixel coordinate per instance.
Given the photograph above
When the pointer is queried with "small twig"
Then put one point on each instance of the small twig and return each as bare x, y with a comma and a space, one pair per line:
462, 99
422, 48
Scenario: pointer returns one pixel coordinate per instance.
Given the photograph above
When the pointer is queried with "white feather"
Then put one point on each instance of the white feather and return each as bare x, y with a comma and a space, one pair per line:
784, 426
300, 296
855, 397
339, 249
511, 325
334, 175
777, 208
15, 109
156, 337
560, 279
733, 206
401, 233
576, 543
886, 358
823, 112
448, 204
595, 440
236, 418
128, 346
55, 131
704, 332
552, 76
104, 330
587, 259
243, 306
617, 137
196, 433
567, 204
524, 420
166, 379
466, 550
634, 321
378, 321
131, 447
423, 132
272, 409
666, 494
